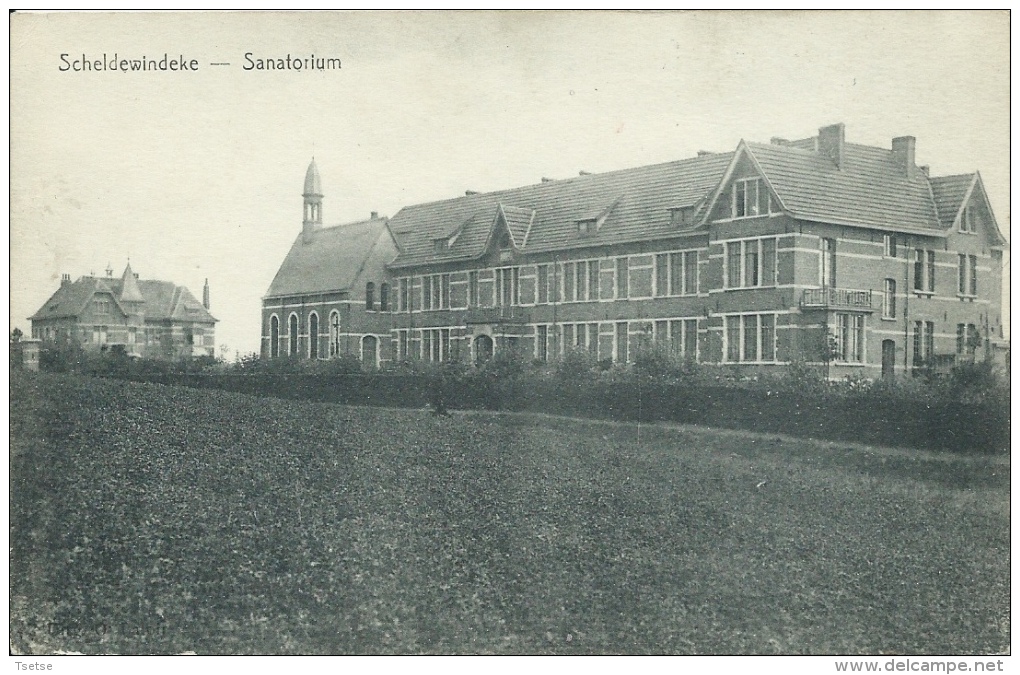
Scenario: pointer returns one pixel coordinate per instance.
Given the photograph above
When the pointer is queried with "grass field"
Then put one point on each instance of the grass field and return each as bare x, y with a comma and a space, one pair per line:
150, 519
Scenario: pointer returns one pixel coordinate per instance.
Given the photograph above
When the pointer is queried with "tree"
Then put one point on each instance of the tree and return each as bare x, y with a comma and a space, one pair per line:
16, 335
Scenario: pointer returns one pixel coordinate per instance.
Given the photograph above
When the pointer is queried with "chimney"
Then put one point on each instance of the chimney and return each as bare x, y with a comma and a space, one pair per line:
702, 153
205, 294
584, 173
903, 154
776, 140
546, 180
830, 142
375, 215
65, 280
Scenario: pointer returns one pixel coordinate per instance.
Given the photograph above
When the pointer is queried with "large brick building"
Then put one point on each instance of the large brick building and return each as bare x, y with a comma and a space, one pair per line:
816, 250
147, 317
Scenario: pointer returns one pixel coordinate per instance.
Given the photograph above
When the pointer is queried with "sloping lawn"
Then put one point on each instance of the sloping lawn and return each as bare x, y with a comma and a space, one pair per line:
149, 519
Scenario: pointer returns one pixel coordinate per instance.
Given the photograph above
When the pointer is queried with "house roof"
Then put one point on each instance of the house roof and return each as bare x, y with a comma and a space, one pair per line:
313, 183
162, 300
870, 190
328, 260
634, 203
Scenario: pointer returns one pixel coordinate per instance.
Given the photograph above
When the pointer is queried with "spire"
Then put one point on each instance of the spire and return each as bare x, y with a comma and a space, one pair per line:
313, 202
129, 291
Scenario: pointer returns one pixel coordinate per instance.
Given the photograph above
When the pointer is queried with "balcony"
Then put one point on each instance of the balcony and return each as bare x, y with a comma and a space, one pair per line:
836, 298
506, 315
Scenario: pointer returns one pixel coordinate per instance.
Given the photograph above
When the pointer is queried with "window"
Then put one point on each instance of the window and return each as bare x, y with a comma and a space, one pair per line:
750, 338
681, 217
102, 306
369, 297
403, 296
749, 264
622, 278
334, 333
968, 275
676, 273
274, 337
403, 345
542, 342
384, 297
472, 289
924, 271
586, 226
435, 344
441, 245
682, 337
543, 284
889, 299
827, 263
890, 245
568, 282
593, 279
924, 342
849, 342
508, 286
969, 221
751, 197
313, 336
621, 342
435, 292
370, 351
293, 338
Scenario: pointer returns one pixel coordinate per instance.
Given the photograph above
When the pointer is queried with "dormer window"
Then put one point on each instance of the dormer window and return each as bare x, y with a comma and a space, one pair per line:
970, 219
586, 227
441, 245
504, 240
751, 198
681, 217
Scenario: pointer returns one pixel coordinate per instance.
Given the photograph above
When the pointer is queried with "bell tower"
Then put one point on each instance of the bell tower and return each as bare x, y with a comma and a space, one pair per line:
313, 201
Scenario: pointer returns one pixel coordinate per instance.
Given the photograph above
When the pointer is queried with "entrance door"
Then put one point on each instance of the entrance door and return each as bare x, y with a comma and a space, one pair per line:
888, 358
483, 349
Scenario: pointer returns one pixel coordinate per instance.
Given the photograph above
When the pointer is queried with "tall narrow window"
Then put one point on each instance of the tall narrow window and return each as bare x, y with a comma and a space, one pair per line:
293, 338
384, 297
768, 262
751, 337
621, 342
918, 343
961, 337
751, 259
581, 281
690, 273
827, 270
733, 339
768, 337
569, 293
402, 304
543, 284
369, 297
919, 271
472, 289
313, 336
274, 337
929, 339
426, 293
334, 333
973, 274
931, 271
542, 343
622, 278
733, 264
889, 299
662, 274
963, 276
593, 279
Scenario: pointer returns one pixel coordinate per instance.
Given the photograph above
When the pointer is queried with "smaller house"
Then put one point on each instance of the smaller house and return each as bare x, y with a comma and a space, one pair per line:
145, 317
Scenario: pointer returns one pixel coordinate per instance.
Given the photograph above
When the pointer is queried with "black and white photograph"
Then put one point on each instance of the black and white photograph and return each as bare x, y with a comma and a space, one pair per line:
510, 333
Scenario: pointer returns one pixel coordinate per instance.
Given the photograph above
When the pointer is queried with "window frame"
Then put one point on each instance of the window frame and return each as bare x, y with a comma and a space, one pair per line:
889, 298
735, 341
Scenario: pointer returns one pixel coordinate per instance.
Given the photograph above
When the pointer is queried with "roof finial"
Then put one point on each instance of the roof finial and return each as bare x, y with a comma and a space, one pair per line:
109, 270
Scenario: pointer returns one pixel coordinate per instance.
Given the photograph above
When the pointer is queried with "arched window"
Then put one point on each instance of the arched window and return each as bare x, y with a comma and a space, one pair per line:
274, 337
370, 351
334, 333
313, 336
293, 348
384, 297
369, 296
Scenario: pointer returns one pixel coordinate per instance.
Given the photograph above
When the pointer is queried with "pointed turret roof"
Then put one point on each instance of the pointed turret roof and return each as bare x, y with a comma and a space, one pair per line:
313, 184
129, 291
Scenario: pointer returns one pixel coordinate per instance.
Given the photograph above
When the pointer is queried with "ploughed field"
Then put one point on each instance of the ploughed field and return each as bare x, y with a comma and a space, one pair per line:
150, 519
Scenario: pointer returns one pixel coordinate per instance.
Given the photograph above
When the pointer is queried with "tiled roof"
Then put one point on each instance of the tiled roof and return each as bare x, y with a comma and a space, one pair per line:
949, 192
870, 190
163, 300
330, 261
645, 195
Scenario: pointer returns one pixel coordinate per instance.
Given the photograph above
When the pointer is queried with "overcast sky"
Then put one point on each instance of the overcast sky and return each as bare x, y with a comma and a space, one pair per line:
196, 175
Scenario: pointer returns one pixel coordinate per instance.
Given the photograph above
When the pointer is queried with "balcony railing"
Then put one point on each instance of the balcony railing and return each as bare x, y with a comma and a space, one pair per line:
836, 298
509, 314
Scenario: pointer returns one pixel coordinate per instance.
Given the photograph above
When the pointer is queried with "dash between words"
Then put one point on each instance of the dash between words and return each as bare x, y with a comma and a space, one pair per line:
180, 63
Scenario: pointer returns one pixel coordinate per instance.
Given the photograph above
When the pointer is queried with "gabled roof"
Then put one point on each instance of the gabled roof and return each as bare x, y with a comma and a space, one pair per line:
330, 261
948, 192
641, 211
870, 190
161, 300
129, 291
